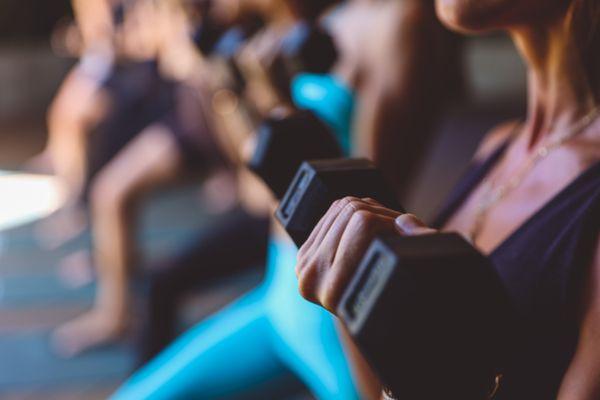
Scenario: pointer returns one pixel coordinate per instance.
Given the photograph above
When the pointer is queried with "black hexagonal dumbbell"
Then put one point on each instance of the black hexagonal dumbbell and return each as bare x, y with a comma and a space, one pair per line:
431, 315
317, 184
429, 312
282, 144
307, 48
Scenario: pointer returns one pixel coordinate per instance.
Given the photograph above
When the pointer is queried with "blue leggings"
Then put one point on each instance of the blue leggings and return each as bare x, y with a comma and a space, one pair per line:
248, 343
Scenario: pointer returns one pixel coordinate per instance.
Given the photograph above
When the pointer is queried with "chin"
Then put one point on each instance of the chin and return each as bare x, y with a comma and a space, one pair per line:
473, 16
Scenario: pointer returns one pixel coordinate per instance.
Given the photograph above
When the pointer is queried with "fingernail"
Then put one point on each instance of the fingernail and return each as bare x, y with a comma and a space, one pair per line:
407, 223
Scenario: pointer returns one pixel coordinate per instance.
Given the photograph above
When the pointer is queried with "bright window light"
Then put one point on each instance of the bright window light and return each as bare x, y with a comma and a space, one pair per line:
25, 198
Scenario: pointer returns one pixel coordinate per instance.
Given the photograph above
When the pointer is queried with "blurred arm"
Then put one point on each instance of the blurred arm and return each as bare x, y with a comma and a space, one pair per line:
94, 20
406, 82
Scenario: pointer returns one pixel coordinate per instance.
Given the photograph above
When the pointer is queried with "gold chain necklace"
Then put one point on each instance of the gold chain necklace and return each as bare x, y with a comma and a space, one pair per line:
492, 194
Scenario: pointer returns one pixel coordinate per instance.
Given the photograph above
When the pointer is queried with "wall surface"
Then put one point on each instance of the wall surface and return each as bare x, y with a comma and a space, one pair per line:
22, 20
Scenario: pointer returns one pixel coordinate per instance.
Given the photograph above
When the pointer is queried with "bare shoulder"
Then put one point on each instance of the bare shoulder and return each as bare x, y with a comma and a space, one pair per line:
391, 36
495, 138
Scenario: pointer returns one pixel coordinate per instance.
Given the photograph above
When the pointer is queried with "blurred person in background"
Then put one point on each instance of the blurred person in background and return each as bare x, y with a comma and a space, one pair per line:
188, 367
114, 91
79, 104
178, 143
401, 87
267, 330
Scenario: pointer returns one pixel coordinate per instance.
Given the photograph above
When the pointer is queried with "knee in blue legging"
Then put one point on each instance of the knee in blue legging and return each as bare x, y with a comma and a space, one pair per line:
249, 344
330, 99
226, 354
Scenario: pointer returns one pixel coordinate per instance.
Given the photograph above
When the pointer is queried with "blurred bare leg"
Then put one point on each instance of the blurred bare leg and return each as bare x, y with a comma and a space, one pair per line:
78, 106
149, 162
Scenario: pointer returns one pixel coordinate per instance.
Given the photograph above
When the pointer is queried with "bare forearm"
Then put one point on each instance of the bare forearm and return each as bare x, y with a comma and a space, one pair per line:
404, 92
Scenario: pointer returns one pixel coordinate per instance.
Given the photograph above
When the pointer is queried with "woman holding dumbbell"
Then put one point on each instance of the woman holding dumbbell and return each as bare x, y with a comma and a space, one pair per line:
531, 201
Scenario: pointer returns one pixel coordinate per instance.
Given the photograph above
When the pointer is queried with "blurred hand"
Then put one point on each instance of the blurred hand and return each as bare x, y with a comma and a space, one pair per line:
333, 251
255, 61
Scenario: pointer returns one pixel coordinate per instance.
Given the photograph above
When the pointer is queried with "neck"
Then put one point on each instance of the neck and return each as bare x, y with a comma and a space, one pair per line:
559, 88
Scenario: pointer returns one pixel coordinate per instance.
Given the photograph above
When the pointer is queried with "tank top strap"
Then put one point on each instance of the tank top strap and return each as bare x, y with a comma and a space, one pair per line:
473, 176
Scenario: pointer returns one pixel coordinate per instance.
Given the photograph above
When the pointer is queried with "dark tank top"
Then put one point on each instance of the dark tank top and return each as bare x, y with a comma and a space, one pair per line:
544, 266
139, 96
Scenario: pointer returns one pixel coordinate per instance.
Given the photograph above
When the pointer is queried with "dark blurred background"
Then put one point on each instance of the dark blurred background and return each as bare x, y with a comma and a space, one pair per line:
29, 73
24, 20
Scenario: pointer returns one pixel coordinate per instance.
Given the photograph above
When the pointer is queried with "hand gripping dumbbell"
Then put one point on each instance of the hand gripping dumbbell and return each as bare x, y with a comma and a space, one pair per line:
319, 183
282, 144
429, 312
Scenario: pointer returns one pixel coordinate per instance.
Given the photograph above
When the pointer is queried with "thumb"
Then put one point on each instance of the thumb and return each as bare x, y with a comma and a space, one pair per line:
410, 225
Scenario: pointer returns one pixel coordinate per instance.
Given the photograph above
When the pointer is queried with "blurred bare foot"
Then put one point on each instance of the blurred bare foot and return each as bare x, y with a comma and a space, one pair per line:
76, 269
61, 227
92, 329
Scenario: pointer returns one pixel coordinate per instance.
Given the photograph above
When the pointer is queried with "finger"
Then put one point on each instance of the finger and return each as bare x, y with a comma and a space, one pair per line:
325, 222
311, 238
410, 225
333, 237
334, 210
376, 203
321, 247
309, 248
372, 201
308, 283
357, 237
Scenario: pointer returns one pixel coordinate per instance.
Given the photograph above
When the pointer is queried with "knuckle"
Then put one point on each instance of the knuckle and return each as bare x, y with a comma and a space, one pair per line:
303, 263
364, 219
300, 265
337, 205
370, 200
305, 286
328, 298
302, 288
355, 205
346, 200
303, 252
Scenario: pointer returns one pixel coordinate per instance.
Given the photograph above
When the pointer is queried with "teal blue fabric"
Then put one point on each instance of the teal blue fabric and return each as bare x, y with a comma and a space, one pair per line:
330, 99
270, 329
250, 342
